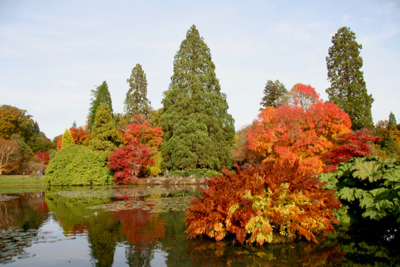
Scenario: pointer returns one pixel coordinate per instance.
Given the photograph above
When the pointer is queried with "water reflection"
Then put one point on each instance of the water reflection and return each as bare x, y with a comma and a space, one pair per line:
145, 227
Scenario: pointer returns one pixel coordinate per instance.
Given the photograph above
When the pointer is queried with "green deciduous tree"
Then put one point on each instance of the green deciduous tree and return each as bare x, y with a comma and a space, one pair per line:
136, 101
104, 136
99, 95
24, 150
67, 139
15, 121
273, 92
348, 89
198, 129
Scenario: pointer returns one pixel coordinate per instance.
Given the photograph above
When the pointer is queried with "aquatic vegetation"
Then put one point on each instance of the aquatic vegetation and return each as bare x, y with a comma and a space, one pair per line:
263, 204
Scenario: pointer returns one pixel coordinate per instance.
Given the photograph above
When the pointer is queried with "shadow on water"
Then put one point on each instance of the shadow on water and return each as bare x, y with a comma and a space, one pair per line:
142, 226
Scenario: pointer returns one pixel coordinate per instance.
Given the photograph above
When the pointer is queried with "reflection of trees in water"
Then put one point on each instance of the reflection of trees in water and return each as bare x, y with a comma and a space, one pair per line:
211, 253
72, 212
141, 228
174, 242
376, 244
140, 257
142, 231
103, 234
28, 211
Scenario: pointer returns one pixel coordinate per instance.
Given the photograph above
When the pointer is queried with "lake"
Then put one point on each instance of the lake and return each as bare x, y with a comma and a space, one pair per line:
144, 226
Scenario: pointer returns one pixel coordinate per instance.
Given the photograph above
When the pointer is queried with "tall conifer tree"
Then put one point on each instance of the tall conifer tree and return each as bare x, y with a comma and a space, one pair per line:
67, 139
197, 128
348, 89
273, 92
136, 101
104, 136
99, 95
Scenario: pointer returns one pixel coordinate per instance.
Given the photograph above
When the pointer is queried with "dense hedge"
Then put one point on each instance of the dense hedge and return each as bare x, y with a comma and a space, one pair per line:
78, 165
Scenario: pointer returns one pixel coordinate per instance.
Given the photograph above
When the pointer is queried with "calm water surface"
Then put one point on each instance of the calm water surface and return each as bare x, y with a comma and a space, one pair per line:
140, 226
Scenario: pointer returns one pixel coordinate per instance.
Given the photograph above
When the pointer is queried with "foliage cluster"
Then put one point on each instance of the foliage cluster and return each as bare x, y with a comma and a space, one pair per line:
349, 145
303, 131
268, 203
130, 161
369, 188
78, 165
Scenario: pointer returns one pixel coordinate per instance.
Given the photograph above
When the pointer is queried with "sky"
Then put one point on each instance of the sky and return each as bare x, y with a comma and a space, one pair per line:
53, 53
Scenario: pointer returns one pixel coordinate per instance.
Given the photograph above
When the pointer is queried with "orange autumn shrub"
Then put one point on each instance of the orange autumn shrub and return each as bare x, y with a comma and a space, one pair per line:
268, 203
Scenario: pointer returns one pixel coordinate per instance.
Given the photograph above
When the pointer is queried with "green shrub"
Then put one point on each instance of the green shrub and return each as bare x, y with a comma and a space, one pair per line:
194, 173
369, 188
78, 165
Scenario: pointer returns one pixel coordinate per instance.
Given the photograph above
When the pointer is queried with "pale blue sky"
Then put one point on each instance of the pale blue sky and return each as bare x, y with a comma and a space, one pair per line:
53, 53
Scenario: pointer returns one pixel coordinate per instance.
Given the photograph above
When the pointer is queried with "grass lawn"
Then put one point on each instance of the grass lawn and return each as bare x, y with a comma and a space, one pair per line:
21, 180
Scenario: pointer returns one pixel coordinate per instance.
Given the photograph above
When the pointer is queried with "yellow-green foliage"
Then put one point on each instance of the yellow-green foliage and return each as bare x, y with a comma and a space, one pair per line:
78, 165
155, 168
67, 139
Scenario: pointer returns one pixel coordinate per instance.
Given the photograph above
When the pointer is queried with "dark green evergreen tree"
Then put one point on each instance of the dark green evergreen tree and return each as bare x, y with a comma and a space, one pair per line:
273, 92
392, 121
348, 89
136, 101
99, 95
198, 130
104, 137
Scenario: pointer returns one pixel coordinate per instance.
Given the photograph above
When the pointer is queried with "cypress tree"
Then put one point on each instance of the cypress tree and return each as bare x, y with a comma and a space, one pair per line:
348, 89
67, 139
273, 92
104, 137
136, 101
198, 131
392, 121
99, 95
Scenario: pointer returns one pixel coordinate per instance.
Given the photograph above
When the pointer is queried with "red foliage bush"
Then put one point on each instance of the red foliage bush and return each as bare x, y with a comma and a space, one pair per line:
129, 161
42, 157
354, 144
266, 203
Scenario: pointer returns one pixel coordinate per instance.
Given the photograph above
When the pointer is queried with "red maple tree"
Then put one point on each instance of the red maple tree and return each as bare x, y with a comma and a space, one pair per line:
42, 157
129, 161
354, 144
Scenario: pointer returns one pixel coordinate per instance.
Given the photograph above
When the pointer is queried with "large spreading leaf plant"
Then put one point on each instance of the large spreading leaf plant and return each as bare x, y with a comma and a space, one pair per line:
369, 188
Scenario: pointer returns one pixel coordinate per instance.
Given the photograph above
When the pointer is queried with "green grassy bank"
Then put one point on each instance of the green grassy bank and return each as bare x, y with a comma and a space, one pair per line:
21, 180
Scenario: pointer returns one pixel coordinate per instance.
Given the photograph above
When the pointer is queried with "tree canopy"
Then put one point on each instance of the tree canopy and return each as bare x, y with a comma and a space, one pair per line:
99, 95
273, 93
104, 136
348, 89
298, 132
197, 127
136, 101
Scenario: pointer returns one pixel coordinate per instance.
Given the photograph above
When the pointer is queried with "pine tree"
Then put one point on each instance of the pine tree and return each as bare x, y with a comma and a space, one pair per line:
392, 121
136, 101
104, 136
273, 92
67, 139
99, 95
348, 89
198, 131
